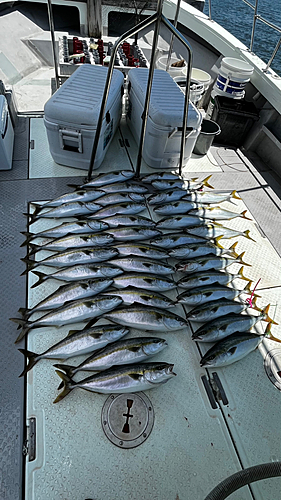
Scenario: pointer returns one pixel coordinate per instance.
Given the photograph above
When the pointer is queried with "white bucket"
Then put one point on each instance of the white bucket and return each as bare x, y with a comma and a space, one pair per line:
201, 76
173, 71
233, 77
196, 88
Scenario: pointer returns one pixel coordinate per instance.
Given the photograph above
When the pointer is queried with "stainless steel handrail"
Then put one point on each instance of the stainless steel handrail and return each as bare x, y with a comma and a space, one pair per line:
52, 30
157, 18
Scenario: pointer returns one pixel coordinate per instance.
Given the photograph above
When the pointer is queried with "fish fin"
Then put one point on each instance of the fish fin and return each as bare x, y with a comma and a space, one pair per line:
22, 334
23, 311
241, 275
244, 216
32, 360
194, 179
267, 318
254, 305
91, 323
268, 333
206, 183
66, 382
75, 186
247, 235
247, 288
29, 236
235, 195
240, 257
71, 332
20, 321
42, 277
68, 369
217, 243
28, 261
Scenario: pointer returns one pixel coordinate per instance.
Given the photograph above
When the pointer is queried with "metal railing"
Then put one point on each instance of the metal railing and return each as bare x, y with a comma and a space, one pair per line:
156, 18
256, 18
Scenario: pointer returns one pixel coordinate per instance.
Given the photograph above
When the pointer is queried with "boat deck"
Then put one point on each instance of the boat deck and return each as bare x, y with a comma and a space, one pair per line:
249, 421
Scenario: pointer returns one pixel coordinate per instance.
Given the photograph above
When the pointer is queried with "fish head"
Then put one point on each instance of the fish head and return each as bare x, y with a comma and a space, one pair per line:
128, 174
174, 322
190, 297
154, 346
109, 303
93, 225
188, 267
160, 373
100, 283
136, 197
111, 271
157, 198
116, 333
179, 252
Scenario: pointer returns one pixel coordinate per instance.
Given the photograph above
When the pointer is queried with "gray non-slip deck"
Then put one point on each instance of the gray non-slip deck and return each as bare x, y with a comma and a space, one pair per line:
260, 193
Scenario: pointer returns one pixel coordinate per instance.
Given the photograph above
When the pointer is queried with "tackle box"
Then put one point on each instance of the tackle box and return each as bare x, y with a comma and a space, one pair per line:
71, 116
164, 125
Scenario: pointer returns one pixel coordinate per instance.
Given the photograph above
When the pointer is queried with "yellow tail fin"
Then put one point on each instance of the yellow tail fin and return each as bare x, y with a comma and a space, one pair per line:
206, 183
242, 277
240, 258
266, 316
244, 216
235, 195
247, 235
268, 333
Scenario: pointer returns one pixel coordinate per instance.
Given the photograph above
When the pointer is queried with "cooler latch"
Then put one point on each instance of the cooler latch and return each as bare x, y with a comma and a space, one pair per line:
70, 140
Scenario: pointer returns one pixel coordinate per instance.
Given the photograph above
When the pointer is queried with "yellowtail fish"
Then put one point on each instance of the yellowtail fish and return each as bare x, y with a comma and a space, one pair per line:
120, 352
74, 209
66, 228
208, 293
213, 229
211, 197
140, 265
114, 198
209, 277
74, 241
77, 342
179, 207
226, 325
79, 272
84, 195
123, 379
128, 208
148, 282
133, 295
217, 213
200, 249
174, 240
182, 184
146, 318
129, 220
109, 178
125, 187
209, 262
166, 196
216, 308
161, 176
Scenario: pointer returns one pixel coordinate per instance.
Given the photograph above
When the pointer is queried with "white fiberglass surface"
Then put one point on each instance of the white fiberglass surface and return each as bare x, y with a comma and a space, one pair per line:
190, 448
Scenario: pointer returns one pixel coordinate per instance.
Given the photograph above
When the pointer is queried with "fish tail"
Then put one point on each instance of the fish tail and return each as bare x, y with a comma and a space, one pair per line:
25, 312
32, 217
22, 334
241, 275
194, 179
29, 237
68, 369
66, 383
217, 242
268, 333
254, 305
32, 360
42, 277
206, 183
235, 195
267, 318
240, 258
243, 215
75, 186
247, 235
231, 250
29, 262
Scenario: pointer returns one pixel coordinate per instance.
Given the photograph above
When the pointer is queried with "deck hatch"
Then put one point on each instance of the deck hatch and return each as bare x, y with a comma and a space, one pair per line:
127, 419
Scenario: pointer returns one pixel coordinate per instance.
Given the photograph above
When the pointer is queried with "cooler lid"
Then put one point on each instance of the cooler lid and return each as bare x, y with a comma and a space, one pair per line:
166, 101
78, 100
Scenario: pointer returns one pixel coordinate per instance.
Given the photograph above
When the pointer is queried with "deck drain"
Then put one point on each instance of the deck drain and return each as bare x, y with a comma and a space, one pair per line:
127, 419
272, 365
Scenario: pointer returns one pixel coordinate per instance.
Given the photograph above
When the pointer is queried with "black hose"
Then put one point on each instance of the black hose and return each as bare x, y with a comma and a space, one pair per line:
244, 477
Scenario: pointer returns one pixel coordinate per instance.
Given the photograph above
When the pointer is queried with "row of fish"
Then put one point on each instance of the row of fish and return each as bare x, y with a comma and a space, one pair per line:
91, 268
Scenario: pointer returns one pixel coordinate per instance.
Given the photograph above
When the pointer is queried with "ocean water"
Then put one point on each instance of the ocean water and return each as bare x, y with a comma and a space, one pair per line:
237, 18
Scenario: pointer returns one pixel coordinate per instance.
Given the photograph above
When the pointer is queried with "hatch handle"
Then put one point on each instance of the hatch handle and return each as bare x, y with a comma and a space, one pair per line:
70, 140
29, 446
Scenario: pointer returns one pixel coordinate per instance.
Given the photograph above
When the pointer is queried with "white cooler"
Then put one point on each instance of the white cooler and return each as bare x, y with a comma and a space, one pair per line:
164, 124
72, 113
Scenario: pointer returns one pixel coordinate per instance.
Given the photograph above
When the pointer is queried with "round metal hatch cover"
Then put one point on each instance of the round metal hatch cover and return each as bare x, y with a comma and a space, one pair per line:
127, 419
272, 365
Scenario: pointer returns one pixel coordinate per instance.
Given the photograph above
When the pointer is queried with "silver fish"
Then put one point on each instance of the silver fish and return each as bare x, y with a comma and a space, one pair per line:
200, 249
120, 352
173, 240
124, 379
76, 311
179, 222
166, 196
140, 265
209, 262
67, 293
209, 277
208, 293
79, 272
128, 208
215, 309
114, 198
148, 282
110, 178
213, 229
76, 256
67, 210
158, 176
141, 251
182, 184
211, 197
230, 349
146, 318
226, 325
217, 213
75, 227
83, 195
76, 343
75, 241
129, 220
179, 207
133, 295
124, 187
134, 233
